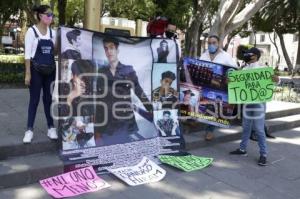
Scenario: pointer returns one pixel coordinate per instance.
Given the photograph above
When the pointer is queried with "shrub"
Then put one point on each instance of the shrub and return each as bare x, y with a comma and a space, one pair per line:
12, 73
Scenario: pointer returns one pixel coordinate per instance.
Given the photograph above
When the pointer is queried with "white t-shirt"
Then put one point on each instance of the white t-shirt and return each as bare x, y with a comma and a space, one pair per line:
221, 58
31, 41
252, 66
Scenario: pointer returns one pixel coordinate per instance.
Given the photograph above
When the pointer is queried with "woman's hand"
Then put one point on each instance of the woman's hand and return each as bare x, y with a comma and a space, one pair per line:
27, 79
275, 78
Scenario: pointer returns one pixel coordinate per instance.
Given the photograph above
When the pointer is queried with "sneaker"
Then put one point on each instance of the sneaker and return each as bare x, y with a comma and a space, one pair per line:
52, 134
239, 152
28, 137
262, 161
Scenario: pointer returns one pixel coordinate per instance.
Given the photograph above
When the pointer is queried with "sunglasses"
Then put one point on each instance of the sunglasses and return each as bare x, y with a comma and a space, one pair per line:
50, 14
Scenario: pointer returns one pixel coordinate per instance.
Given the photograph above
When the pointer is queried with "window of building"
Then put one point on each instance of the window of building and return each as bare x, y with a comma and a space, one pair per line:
295, 37
262, 38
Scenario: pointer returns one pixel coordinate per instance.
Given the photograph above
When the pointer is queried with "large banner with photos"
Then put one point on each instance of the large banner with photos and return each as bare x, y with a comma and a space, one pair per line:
203, 93
117, 99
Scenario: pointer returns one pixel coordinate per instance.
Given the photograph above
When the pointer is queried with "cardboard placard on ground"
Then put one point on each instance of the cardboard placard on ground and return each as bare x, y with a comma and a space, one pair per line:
251, 86
74, 183
186, 163
144, 172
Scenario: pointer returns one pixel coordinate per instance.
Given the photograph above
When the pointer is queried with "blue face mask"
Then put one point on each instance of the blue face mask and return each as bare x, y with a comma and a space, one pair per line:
212, 48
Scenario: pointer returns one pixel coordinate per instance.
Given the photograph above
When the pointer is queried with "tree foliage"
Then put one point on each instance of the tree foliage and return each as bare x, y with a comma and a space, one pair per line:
131, 9
280, 17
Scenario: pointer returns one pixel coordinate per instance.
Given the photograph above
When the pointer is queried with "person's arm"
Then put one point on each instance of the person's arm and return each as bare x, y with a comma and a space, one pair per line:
29, 40
162, 132
275, 79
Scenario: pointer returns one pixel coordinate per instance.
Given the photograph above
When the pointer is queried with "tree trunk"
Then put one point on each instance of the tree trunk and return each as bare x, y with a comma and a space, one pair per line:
61, 6
30, 15
276, 47
230, 16
284, 51
297, 67
200, 31
229, 38
52, 4
192, 39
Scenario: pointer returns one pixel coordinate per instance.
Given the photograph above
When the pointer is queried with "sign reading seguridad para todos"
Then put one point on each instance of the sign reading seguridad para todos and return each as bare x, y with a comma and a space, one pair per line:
250, 86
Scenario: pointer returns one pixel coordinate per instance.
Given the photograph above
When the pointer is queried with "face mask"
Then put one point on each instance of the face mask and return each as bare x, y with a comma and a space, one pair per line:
247, 59
212, 49
169, 34
46, 20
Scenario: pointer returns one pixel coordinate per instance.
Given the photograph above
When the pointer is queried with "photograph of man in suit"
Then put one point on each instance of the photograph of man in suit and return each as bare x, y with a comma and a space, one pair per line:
121, 79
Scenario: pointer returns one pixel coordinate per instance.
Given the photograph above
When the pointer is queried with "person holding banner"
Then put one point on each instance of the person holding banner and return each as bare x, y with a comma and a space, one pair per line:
40, 68
254, 114
216, 55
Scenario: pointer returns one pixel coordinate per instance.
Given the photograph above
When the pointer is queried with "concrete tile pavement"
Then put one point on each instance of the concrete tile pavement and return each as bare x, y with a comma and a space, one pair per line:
229, 177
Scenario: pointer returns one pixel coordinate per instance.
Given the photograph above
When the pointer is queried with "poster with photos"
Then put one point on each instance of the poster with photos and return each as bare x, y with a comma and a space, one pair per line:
203, 93
108, 87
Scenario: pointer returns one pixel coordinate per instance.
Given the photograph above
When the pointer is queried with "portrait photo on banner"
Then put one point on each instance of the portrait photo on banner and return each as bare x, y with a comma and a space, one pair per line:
75, 45
188, 98
166, 122
164, 50
164, 85
123, 66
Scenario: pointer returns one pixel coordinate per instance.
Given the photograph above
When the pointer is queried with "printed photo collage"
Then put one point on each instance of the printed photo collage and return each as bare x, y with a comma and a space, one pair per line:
204, 93
165, 93
130, 105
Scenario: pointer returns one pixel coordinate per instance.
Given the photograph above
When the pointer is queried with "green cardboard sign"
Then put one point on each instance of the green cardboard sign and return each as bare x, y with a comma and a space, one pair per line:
250, 86
186, 163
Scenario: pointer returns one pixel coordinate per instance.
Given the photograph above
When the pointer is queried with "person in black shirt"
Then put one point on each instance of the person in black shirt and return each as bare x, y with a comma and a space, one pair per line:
163, 52
72, 51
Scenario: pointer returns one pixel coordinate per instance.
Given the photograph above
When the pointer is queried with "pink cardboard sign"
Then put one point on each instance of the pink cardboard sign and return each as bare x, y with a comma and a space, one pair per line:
74, 183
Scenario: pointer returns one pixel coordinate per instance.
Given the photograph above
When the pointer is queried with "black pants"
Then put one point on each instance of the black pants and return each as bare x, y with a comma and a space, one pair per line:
37, 83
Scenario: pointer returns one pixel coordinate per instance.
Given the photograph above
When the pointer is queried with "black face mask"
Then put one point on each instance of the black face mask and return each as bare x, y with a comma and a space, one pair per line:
170, 35
247, 59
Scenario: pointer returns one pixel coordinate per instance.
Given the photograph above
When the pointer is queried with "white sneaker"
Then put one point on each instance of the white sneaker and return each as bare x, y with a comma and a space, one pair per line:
52, 134
28, 137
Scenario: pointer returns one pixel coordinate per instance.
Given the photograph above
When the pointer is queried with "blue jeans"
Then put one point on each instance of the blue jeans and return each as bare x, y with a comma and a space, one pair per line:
254, 118
40, 82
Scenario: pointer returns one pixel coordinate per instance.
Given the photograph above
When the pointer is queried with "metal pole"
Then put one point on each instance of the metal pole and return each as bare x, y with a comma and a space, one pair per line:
92, 10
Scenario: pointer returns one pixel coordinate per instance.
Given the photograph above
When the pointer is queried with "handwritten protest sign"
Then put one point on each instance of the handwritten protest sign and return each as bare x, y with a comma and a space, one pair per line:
144, 172
250, 86
186, 163
74, 183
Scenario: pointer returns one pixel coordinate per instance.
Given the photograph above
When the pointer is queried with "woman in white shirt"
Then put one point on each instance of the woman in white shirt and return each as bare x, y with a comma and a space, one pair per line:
40, 68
